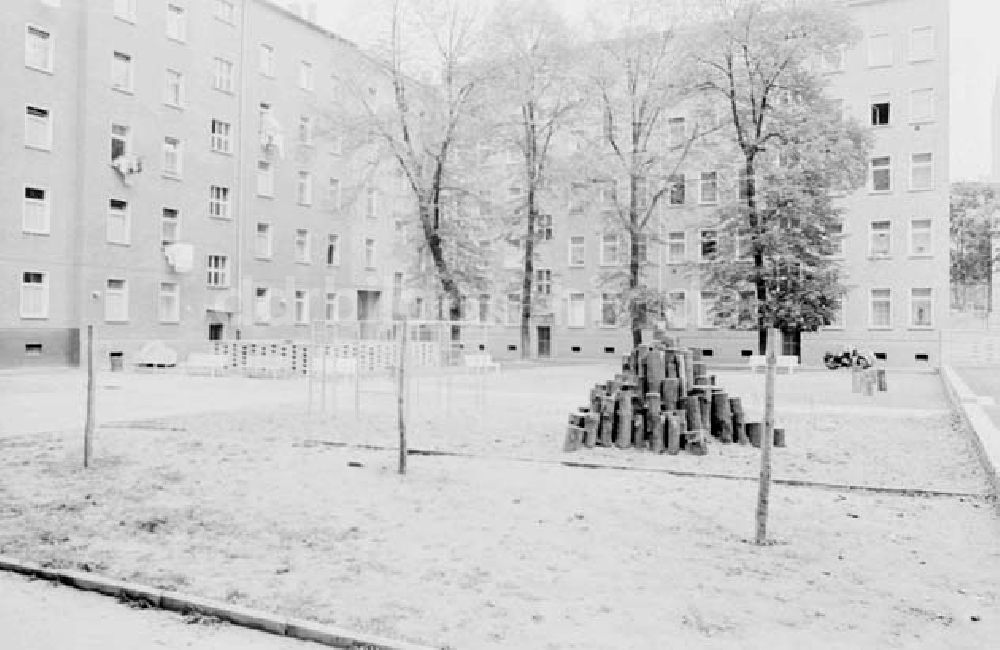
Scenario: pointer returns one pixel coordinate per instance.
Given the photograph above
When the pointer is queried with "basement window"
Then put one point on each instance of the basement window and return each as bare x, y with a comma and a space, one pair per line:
575, 348
921, 357
746, 353
709, 352
512, 348
32, 349
609, 350
881, 356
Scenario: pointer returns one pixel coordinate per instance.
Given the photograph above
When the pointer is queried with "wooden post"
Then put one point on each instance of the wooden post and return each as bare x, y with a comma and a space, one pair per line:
674, 429
722, 417
764, 486
739, 431
88, 427
401, 398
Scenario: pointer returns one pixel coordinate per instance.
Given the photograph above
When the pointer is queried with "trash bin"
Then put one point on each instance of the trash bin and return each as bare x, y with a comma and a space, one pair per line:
117, 361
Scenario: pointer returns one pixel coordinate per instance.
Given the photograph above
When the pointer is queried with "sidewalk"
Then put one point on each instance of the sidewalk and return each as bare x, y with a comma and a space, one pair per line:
39, 615
975, 392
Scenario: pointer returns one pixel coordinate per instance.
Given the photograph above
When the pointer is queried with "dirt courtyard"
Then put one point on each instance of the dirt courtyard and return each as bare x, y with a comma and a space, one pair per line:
505, 548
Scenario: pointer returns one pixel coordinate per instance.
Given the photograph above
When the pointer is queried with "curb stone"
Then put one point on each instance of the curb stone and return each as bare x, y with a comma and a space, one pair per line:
985, 434
303, 630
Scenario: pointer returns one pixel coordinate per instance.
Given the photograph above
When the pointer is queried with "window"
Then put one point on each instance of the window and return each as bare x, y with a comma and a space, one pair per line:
302, 247
304, 189
369, 253
174, 92
265, 178
305, 130
370, 202
677, 186
609, 308
881, 308
125, 9
331, 311
301, 307
333, 193
265, 60
218, 202
263, 244
920, 238
36, 210
37, 128
676, 309
38, 49
706, 312
881, 237
921, 171
881, 174
119, 141
577, 251
333, 250
172, 156
121, 72
835, 233
921, 308
118, 222
34, 294
879, 50
218, 271
484, 308
838, 320
225, 10
676, 247
675, 131
513, 308
305, 75
116, 300
170, 226
880, 110
609, 250
922, 105
545, 227
176, 23
221, 138
709, 187
169, 303
577, 310
337, 145
709, 245
921, 43
223, 77
261, 305
543, 282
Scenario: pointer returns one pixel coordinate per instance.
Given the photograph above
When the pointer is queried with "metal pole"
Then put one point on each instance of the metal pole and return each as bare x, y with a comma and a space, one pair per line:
88, 427
764, 486
401, 398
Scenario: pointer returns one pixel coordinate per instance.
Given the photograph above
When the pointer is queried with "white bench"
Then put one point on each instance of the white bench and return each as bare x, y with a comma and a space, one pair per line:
787, 361
209, 364
481, 362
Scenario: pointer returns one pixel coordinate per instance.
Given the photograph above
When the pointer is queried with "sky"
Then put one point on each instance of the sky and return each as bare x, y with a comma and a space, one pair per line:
975, 64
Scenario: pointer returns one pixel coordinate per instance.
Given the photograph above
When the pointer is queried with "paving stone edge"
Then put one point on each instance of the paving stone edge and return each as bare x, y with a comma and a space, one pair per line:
328, 635
985, 434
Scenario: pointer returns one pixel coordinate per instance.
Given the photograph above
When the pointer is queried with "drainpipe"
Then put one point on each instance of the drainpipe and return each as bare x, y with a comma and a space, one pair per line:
241, 169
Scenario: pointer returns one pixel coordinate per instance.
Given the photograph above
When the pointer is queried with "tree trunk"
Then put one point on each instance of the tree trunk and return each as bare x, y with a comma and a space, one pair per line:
753, 218
526, 279
637, 308
429, 219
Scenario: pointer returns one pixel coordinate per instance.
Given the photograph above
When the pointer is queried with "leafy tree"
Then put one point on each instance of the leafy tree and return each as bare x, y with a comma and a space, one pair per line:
973, 205
759, 59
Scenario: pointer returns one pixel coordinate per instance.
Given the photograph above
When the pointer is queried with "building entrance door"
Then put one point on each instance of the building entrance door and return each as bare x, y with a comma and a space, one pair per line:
215, 331
544, 341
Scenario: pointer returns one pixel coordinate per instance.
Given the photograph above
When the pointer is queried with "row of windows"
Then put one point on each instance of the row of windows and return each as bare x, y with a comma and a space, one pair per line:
34, 303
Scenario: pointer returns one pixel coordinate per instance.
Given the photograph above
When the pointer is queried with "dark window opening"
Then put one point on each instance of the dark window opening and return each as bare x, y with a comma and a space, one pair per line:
482, 347
921, 357
881, 356
609, 350
880, 114
33, 349
575, 348
708, 352
746, 353
512, 348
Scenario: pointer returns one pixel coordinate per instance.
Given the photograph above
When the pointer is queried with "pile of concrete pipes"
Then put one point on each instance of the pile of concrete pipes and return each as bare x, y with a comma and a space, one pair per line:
663, 400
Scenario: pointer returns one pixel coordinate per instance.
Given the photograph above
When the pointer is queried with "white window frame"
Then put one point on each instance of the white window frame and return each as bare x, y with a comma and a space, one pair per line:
218, 202
120, 294
371, 203
576, 310
45, 47
222, 74
701, 241
221, 136
173, 152
265, 59
676, 131
840, 251
263, 241
930, 308
331, 307
872, 252
371, 253
872, 169
580, 247
265, 178
923, 165
916, 96
176, 23
122, 62
225, 10
304, 188
307, 75
42, 206
217, 272
301, 306
612, 299
41, 288
170, 218
306, 130
33, 123
703, 182
682, 318
512, 309
122, 216
333, 190
882, 98
871, 308
702, 315
673, 240
125, 139
673, 182
915, 55
543, 281
261, 305
303, 246
169, 311
876, 38
611, 239
927, 232
333, 239
174, 89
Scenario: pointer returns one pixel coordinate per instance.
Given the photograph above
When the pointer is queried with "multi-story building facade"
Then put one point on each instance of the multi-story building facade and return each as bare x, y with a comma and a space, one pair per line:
182, 171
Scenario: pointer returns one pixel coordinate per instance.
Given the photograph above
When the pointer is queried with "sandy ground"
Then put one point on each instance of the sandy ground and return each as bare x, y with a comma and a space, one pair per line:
37, 615
489, 552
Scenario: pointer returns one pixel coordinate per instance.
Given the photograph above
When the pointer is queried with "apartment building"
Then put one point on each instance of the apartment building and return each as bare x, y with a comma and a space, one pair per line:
182, 171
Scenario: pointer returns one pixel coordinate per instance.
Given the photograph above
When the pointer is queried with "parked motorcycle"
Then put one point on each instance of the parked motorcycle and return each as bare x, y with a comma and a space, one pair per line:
847, 359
